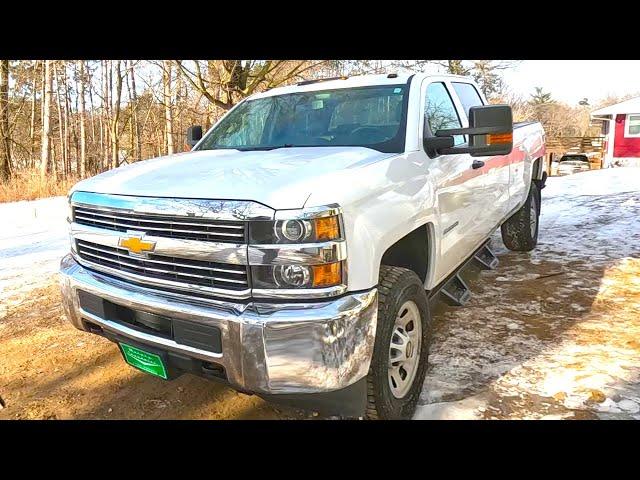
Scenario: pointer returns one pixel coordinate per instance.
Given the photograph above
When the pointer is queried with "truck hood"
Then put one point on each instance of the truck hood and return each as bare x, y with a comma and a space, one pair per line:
280, 179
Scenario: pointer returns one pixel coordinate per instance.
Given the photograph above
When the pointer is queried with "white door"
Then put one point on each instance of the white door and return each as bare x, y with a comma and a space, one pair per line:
492, 182
456, 183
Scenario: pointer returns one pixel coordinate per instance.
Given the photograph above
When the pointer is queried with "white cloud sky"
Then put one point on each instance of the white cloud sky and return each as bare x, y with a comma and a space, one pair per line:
571, 80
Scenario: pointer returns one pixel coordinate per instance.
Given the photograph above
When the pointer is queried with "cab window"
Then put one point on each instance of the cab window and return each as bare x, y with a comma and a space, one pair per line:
440, 111
468, 95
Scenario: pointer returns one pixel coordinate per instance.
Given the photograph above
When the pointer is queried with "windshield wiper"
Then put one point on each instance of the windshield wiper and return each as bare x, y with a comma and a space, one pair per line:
268, 147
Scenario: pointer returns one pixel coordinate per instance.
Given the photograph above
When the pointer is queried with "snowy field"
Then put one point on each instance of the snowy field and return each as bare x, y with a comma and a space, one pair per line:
32, 243
554, 333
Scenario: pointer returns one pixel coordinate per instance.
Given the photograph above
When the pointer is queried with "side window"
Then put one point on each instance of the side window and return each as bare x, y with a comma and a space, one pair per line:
468, 95
440, 112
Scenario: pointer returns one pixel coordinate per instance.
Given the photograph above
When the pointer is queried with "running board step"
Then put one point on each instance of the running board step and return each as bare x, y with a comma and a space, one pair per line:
456, 292
486, 258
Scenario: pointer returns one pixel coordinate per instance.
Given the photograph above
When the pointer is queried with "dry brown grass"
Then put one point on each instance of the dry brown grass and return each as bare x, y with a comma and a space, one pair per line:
27, 185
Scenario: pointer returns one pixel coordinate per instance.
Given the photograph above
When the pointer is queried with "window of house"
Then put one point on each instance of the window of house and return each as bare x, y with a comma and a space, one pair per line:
632, 125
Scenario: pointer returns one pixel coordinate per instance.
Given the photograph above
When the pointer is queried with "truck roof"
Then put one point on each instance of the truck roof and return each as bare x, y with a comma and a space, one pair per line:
350, 82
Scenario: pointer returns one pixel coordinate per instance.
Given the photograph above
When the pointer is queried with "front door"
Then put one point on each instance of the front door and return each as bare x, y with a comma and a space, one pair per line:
492, 185
456, 184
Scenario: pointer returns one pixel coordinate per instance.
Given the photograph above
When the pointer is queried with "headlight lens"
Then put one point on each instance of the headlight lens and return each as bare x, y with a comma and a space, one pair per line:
295, 231
297, 276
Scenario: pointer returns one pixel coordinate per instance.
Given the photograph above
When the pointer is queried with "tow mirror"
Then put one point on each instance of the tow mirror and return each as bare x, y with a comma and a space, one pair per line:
194, 134
490, 133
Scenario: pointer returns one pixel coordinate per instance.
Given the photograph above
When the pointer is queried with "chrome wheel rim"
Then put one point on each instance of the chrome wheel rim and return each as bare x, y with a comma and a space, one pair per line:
533, 217
404, 350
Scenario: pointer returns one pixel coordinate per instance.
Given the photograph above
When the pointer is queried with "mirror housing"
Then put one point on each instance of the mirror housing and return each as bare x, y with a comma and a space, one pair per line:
490, 133
194, 134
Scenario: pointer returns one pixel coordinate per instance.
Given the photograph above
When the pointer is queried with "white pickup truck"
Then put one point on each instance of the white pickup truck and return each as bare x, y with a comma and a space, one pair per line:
292, 253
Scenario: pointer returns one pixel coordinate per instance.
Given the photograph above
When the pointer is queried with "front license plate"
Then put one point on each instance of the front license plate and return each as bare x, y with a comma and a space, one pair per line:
145, 361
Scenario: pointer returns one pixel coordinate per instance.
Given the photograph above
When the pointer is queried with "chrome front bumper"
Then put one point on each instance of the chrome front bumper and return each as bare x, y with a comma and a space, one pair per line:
270, 348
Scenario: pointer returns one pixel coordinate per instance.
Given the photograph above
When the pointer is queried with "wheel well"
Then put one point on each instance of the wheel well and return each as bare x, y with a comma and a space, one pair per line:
411, 252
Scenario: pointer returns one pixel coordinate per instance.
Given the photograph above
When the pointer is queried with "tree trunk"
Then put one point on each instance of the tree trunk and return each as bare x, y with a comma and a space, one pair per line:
115, 118
138, 152
63, 150
46, 119
83, 132
105, 115
32, 126
131, 113
67, 120
168, 114
5, 141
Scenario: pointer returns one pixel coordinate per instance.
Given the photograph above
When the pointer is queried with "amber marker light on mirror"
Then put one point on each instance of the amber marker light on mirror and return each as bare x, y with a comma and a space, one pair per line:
497, 138
327, 275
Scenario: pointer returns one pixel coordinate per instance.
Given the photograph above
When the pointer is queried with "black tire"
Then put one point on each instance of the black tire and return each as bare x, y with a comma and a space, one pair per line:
517, 233
396, 286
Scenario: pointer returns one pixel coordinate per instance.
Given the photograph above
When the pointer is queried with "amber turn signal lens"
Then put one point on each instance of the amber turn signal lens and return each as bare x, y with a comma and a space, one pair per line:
327, 228
495, 138
327, 275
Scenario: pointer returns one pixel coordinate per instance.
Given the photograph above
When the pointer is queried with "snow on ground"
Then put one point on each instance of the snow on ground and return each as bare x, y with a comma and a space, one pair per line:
32, 242
552, 333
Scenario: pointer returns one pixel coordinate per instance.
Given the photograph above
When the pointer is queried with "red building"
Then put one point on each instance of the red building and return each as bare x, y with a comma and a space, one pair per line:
621, 127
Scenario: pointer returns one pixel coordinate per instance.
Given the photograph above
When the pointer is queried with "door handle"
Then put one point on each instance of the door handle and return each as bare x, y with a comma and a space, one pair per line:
477, 164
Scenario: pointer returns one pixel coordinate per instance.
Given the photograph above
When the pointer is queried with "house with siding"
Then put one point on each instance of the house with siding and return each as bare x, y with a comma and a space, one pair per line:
621, 128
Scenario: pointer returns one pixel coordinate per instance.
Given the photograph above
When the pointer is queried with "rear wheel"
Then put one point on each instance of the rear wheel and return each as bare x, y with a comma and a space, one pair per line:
399, 362
520, 231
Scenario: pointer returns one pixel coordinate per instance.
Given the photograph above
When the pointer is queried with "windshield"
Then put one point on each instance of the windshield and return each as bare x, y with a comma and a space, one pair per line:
373, 117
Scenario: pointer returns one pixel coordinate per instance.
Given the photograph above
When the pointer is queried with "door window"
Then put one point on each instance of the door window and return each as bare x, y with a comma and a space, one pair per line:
468, 95
440, 111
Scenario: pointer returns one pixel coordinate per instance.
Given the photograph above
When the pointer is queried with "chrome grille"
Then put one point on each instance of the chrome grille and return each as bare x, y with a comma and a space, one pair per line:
190, 228
182, 270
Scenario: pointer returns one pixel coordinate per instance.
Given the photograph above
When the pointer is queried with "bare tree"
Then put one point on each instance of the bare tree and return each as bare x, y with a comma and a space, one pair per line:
83, 130
61, 126
46, 118
115, 132
5, 140
133, 99
168, 113
32, 125
224, 82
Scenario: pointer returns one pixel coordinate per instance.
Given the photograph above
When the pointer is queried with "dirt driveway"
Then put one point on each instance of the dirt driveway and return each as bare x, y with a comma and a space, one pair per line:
550, 334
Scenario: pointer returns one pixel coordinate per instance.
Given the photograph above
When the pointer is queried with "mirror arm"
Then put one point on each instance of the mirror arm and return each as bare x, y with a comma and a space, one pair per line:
469, 131
455, 150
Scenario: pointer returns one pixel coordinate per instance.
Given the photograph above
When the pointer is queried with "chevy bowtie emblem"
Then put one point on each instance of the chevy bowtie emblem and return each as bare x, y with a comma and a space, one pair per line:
137, 245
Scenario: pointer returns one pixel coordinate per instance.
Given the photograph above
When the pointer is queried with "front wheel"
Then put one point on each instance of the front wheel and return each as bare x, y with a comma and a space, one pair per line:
520, 231
401, 349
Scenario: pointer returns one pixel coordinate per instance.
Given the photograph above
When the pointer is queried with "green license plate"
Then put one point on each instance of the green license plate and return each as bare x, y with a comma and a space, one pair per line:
145, 361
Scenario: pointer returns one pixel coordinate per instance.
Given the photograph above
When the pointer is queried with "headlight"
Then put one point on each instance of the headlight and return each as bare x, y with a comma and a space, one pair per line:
299, 253
295, 230
297, 276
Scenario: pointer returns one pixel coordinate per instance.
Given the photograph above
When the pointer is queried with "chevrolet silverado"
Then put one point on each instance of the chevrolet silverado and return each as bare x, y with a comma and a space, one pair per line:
294, 251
